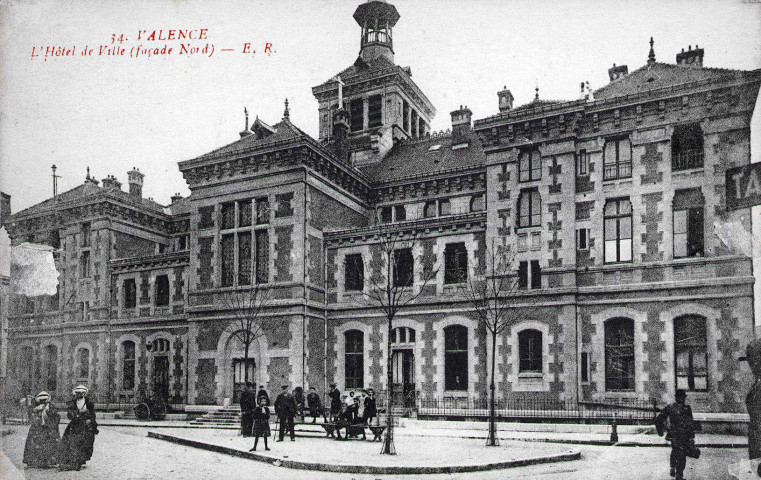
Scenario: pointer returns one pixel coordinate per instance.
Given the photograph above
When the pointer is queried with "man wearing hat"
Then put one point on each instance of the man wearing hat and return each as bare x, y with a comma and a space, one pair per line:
681, 432
285, 409
753, 400
335, 402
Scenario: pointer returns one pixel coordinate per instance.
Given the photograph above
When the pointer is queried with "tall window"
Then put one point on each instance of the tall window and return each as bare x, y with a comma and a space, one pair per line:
244, 213
162, 290
617, 158
85, 232
228, 260
385, 215
529, 165
84, 363
128, 365
262, 211
619, 354
84, 264
455, 358
582, 239
430, 209
354, 273
354, 359
687, 147
690, 349
529, 208
26, 368
244, 258
50, 367
206, 217
530, 351
582, 163
374, 111
357, 114
688, 223
262, 256
130, 293
406, 116
455, 263
403, 267
529, 274
227, 219
618, 231
400, 213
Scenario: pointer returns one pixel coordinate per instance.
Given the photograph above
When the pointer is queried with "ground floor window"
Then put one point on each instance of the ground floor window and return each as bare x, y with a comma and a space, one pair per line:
690, 350
530, 351
619, 354
354, 359
456, 358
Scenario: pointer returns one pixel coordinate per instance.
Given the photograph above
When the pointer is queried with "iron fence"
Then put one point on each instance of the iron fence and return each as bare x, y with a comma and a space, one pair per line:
539, 409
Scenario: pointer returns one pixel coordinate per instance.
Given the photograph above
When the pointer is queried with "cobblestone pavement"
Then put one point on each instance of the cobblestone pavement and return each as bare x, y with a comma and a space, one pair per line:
127, 454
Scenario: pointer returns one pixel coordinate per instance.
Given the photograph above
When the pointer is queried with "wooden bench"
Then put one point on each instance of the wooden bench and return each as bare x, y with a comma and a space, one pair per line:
356, 429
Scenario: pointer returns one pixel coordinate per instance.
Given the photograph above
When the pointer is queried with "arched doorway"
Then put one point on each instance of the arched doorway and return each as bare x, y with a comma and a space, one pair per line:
160, 349
237, 369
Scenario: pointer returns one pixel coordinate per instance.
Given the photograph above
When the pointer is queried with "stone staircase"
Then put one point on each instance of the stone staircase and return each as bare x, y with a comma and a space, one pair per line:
224, 417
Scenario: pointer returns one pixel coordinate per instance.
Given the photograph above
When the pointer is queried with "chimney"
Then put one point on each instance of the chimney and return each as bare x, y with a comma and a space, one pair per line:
341, 133
111, 183
176, 197
690, 57
461, 121
505, 99
617, 72
5, 208
135, 182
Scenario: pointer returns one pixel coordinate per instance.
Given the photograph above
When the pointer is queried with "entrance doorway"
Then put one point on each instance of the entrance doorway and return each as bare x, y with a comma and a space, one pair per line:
161, 377
403, 364
240, 369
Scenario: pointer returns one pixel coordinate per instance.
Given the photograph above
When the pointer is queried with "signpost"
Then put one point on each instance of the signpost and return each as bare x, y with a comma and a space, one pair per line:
744, 186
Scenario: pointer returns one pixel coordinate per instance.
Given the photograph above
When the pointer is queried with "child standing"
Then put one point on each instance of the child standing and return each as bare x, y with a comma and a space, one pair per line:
261, 423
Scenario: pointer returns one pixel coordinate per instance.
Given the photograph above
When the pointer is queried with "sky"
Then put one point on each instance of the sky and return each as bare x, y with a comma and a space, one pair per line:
112, 113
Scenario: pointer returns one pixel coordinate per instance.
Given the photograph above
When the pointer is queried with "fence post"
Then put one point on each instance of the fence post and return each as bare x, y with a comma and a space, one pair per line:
613, 430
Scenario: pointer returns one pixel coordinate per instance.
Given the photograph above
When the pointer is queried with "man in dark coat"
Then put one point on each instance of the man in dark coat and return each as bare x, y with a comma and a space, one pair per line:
371, 409
285, 409
314, 404
78, 439
262, 393
753, 400
335, 402
681, 432
247, 406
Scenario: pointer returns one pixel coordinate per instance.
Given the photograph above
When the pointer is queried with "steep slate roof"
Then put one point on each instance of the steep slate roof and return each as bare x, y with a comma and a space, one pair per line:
537, 102
408, 159
90, 190
660, 75
362, 67
284, 131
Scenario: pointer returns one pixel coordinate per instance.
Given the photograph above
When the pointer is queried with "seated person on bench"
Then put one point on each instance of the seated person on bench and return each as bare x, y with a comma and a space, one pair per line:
351, 417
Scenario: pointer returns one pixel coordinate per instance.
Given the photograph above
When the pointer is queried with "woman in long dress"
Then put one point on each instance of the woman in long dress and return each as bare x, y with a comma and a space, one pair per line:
41, 446
79, 437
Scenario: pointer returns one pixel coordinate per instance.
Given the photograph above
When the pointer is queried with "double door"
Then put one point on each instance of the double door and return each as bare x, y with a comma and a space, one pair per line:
403, 365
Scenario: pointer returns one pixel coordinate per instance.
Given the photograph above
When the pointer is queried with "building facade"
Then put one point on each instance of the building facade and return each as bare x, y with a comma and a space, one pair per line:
613, 204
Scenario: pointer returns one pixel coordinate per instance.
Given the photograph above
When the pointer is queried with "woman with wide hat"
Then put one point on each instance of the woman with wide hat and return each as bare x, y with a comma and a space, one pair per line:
41, 446
79, 437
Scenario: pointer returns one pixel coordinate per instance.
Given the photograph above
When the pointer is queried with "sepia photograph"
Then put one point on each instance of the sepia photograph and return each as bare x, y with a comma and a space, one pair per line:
380, 239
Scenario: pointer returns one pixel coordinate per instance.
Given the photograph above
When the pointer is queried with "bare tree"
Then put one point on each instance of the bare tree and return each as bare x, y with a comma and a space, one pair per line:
247, 307
494, 293
390, 288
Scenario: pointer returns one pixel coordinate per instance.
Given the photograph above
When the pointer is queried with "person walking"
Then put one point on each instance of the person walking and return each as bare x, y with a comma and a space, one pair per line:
247, 406
314, 404
41, 448
261, 415
335, 402
371, 408
681, 432
753, 400
78, 439
285, 409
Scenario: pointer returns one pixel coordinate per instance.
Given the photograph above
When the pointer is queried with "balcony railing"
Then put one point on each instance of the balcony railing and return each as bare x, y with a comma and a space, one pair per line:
687, 159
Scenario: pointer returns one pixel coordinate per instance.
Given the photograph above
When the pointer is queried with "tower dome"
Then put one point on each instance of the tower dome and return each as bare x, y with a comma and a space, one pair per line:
377, 18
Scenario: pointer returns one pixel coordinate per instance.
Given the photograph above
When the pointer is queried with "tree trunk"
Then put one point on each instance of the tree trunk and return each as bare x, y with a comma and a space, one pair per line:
388, 442
491, 440
245, 358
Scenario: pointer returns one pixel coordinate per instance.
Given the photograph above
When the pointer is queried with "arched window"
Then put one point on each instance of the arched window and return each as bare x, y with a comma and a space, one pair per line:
530, 351
529, 208
455, 358
26, 369
691, 353
160, 345
619, 354
83, 361
50, 368
402, 335
128, 365
354, 366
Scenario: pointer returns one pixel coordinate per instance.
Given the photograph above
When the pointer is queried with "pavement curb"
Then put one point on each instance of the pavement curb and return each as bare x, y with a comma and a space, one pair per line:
368, 469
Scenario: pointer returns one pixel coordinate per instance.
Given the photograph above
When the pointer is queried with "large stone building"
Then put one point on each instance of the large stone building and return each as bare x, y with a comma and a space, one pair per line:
610, 203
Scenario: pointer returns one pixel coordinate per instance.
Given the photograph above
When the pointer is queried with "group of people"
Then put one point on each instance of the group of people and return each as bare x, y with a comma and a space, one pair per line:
357, 408
45, 448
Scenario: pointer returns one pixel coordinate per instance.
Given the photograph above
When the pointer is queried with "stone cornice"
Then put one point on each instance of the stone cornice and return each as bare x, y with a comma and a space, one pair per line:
463, 179
152, 262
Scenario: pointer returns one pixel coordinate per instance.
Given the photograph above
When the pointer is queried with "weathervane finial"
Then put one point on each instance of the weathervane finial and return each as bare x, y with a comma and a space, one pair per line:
286, 114
651, 55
